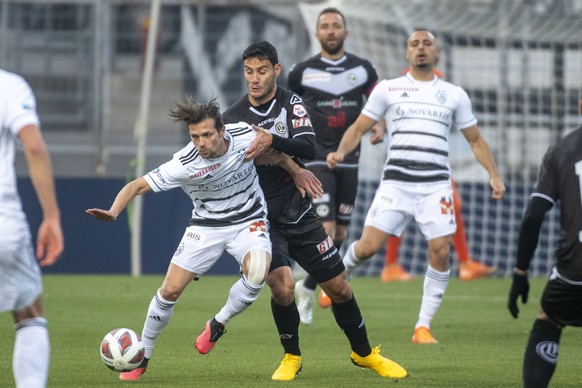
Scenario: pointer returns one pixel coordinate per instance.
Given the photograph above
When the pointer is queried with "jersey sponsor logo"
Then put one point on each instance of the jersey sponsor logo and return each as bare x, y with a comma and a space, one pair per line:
548, 351
194, 238
338, 120
299, 110
424, 113
258, 226
318, 77
205, 170
324, 198
335, 68
301, 122
158, 175
281, 128
441, 96
325, 245
447, 205
295, 99
346, 209
338, 103
403, 89
387, 201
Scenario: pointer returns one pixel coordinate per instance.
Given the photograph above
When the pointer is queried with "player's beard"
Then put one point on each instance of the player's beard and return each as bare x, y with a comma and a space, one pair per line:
332, 50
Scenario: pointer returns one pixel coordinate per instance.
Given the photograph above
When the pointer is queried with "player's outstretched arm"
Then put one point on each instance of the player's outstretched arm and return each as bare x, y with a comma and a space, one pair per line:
126, 194
350, 139
483, 155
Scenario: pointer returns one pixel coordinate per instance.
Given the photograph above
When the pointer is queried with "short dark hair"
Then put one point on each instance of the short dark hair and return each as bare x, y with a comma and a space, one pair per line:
262, 50
331, 10
190, 111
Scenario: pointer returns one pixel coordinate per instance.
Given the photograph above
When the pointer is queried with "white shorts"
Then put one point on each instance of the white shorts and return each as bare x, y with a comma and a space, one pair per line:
431, 206
202, 246
20, 277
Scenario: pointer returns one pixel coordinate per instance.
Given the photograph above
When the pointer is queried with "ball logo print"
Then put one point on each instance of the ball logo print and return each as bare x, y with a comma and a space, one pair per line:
122, 350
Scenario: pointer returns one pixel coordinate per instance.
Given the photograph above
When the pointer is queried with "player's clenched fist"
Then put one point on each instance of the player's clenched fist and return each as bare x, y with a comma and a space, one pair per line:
333, 158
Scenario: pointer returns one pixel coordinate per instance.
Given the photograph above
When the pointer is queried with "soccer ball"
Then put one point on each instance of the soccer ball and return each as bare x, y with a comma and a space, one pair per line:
122, 350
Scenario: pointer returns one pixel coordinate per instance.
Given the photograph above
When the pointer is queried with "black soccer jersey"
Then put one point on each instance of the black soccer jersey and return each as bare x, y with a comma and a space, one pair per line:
560, 179
287, 119
333, 92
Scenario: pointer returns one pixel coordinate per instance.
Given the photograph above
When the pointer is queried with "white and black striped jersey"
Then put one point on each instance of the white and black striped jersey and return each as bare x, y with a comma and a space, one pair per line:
419, 116
224, 190
560, 179
17, 110
333, 92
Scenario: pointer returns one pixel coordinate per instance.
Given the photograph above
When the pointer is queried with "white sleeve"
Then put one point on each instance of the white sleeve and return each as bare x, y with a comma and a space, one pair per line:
376, 105
464, 117
21, 109
167, 176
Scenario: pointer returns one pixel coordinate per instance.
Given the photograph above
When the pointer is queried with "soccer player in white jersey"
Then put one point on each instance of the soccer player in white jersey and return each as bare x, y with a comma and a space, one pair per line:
229, 214
20, 276
420, 109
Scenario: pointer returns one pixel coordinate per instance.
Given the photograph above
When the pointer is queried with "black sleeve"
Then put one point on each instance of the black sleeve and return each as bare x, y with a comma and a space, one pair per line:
303, 146
530, 230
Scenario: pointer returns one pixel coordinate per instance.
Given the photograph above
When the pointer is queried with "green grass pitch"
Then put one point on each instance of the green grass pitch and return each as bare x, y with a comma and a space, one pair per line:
481, 345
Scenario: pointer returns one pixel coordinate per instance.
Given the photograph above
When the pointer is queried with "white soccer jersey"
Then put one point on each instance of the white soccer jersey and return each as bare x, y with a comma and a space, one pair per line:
225, 190
419, 116
17, 110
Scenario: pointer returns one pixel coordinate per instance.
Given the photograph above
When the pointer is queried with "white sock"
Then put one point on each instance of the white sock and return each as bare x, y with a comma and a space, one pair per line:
30, 361
435, 284
350, 260
241, 295
159, 314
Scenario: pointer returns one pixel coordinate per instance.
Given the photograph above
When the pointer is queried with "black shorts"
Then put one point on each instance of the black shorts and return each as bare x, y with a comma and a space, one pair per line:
562, 301
340, 186
309, 245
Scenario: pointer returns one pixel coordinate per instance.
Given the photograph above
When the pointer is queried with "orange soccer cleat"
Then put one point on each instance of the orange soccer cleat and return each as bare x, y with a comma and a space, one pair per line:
422, 335
471, 270
394, 272
324, 300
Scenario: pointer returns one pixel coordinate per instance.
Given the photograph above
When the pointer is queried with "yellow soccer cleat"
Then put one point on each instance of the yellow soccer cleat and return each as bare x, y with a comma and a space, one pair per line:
289, 368
422, 335
379, 364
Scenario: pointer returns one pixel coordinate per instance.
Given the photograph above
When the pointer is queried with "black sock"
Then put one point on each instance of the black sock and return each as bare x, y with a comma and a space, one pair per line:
541, 354
309, 283
350, 320
287, 322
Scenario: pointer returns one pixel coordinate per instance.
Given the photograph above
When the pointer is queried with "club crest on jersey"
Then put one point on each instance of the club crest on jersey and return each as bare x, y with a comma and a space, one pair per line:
280, 128
352, 78
446, 205
441, 96
299, 110
295, 99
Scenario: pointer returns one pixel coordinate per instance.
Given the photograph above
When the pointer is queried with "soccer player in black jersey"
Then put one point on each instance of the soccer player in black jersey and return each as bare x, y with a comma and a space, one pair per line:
560, 179
283, 124
333, 85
